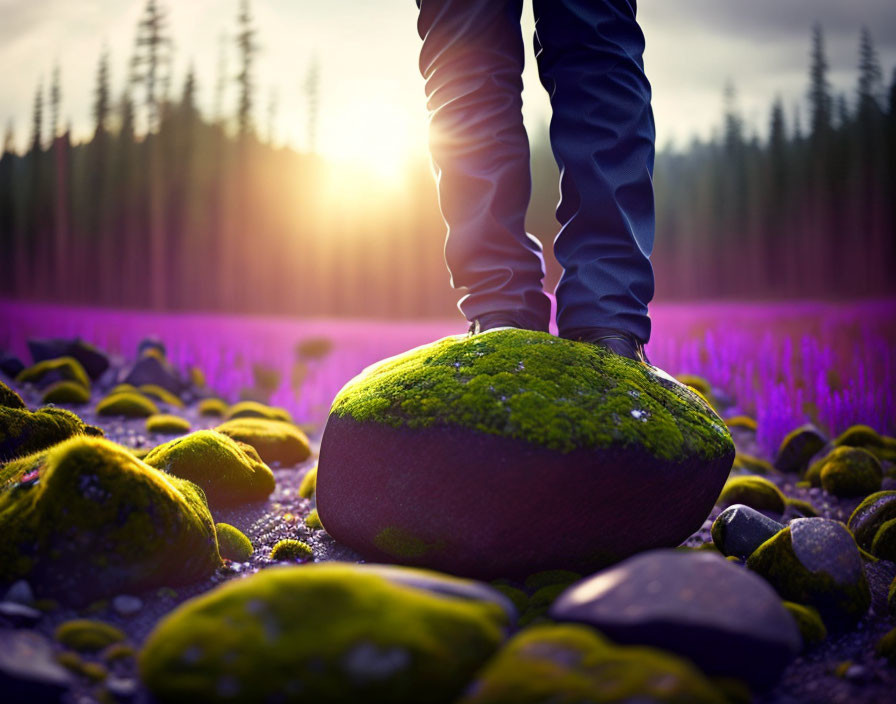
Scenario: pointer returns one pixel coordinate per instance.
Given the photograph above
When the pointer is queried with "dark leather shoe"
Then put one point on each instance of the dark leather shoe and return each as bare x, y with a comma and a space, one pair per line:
492, 321
617, 341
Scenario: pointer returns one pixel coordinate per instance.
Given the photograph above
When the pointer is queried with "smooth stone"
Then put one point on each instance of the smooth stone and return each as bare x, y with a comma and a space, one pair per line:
815, 561
126, 604
739, 530
798, 447
28, 671
19, 614
698, 605
455, 455
20, 592
92, 359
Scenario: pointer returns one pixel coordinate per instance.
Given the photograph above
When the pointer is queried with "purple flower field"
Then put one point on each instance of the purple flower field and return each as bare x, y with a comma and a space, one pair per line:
782, 363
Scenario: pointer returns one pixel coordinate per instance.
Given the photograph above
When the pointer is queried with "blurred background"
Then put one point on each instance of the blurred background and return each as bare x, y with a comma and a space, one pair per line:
185, 169
270, 156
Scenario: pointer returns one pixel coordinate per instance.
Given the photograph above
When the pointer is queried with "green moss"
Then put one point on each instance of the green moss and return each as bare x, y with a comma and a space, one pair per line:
859, 436
812, 628
288, 549
24, 432
196, 377
538, 388
232, 543
312, 520
117, 652
88, 636
213, 407
886, 647
10, 399
572, 664
275, 441
540, 602
161, 394
884, 544
66, 392
130, 404
847, 471
838, 604
123, 389
356, 637
754, 465
744, 422
309, 483
797, 448
167, 424
755, 492
518, 597
698, 383
216, 463
62, 368
253, 409
870, 515
400, 544
73, 662
98, 520
804, 508
891, 599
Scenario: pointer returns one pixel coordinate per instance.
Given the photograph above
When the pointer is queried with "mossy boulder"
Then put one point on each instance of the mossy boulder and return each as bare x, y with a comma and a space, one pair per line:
881, 446
753, 491
213, 407
52, 370
309, 483
695, 604
324, 633
753, 465
168, 424
870, 515
232, 543
70, 392
886, 647
9, 398
127, 403
453, 447
797, 448
815, 561
274, 440
289, 550
216, 463
24, 432
160, 395
312, 520
891, 599
849, 471
254, 409
812, 629
569, 664
884, 544
743, 422
87, 636
92, 520
91, 359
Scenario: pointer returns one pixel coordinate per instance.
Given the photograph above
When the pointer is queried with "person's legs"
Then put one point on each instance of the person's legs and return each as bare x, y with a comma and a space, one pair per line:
472, 60
589, 56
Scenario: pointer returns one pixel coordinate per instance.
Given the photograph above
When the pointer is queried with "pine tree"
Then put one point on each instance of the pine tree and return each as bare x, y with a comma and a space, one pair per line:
247, 48
101, 98
55, 102
819, 87
152, 58
870, 85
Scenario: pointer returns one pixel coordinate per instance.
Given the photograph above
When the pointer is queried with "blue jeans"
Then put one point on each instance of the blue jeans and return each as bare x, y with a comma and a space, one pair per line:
589, 55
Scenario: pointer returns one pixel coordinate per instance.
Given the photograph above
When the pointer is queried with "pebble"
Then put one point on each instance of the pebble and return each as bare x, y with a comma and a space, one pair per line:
19, 614
739, 530
28, 670
20, 593
127, 605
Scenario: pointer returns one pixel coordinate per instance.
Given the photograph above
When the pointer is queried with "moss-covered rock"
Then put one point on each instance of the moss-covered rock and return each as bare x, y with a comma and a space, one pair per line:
881, 446
815, 561
744, 422
870, 515
232, 543
156, 370
511, 416
891, 599
24, 432
275, 440
167, 424
312, 520
92, 520
569, 664
886, 647
309, 483
129, 404
254, 409
884, 544
92, 359
358, 637
70, 392
213, 407
753, 465
290, 550
846, 471
753, 491
92, 671
797, 448
52, 370
812, 628
215, 462
88, 636
9, 398
160, 394
123, 388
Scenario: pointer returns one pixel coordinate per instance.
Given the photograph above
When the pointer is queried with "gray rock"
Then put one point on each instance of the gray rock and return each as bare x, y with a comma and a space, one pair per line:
798, 447
151, 370
126, 604
28, 671
20, 592
93, 361
18, 614
728, 621
739, 530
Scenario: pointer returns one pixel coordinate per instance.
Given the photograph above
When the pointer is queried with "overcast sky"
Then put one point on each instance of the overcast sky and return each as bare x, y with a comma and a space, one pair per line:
367, 49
